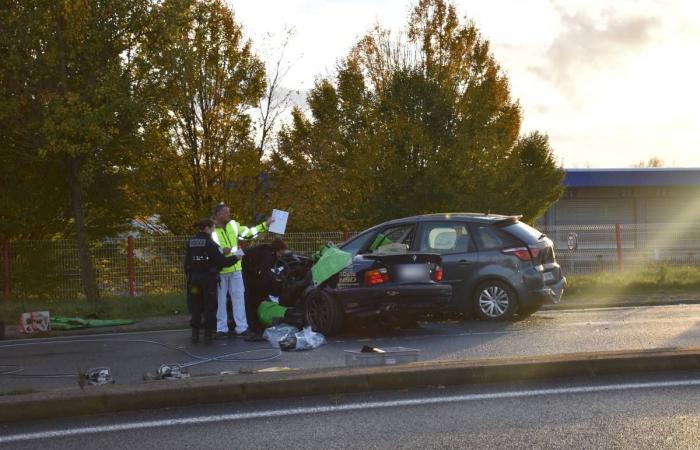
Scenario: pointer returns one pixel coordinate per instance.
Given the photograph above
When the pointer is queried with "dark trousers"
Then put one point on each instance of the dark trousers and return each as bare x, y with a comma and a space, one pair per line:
253, 297
203, 292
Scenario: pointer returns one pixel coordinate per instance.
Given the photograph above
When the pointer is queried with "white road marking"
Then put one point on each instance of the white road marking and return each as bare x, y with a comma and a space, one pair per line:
342, 408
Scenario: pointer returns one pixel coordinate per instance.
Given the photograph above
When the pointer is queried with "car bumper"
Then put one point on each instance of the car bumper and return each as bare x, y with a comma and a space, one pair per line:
551, 293
414, 298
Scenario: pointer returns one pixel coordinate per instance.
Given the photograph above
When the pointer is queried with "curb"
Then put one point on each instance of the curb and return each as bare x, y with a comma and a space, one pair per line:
12, 334
259, 386
602, 305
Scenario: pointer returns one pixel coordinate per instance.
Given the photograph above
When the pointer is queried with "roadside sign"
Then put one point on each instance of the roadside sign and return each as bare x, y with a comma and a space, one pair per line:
572, 242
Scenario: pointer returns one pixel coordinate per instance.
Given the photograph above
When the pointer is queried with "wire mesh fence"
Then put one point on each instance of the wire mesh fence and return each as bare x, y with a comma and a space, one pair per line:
50, 269
154, 265
605, 248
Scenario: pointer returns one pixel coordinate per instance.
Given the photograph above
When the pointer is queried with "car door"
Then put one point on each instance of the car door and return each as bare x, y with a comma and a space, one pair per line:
453, 241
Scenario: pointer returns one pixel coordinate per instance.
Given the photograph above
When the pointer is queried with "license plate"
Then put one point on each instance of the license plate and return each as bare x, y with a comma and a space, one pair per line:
413, 272
548, 276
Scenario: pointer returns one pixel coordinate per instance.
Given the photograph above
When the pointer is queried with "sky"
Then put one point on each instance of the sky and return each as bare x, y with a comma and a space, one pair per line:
611, 83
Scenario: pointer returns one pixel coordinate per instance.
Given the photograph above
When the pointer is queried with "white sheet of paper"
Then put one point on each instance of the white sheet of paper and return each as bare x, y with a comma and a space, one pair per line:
280, 223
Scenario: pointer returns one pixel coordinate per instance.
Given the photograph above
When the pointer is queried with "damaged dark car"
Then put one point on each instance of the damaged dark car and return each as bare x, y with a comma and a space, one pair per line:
386, 281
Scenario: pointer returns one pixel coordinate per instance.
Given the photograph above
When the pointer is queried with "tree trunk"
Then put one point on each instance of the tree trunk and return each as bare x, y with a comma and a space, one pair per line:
87, 270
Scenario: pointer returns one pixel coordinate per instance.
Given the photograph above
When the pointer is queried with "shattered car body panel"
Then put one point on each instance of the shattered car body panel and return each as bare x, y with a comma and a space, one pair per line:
371, 285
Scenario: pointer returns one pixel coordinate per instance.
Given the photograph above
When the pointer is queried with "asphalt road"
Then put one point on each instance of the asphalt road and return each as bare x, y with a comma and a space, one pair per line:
553, 332
648, 412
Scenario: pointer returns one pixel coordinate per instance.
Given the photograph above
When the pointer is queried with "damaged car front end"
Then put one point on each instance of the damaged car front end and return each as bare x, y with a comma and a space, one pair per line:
369, 285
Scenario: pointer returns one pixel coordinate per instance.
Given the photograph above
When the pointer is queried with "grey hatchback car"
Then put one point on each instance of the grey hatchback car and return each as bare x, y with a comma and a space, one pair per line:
497, 266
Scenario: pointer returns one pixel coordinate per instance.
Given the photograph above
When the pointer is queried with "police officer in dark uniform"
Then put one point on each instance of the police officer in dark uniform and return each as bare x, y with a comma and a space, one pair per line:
203, 261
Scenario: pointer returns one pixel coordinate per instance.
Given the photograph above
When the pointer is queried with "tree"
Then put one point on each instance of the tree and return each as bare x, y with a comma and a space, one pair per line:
74, 99
423, 122
276, 100
204, 151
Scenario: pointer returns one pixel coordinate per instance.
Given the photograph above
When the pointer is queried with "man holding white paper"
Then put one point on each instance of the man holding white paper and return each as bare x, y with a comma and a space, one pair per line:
226, 235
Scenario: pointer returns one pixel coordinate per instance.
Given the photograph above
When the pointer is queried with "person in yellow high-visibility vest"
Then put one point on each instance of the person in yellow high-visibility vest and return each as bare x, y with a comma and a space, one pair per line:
226, 235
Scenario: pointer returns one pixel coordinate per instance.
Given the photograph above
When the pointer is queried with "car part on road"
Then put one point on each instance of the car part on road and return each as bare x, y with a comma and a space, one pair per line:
168, 372
494, 300
17, 370
99, 376
380, 357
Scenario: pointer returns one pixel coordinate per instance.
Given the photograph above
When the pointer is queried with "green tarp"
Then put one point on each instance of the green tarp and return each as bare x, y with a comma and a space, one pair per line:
74, 323
268, 311
332, 261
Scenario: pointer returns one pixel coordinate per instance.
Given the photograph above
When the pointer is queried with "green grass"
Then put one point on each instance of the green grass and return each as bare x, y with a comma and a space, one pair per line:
659, 279
107, 308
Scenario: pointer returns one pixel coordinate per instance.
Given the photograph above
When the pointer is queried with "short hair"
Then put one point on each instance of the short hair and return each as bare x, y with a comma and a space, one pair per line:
200, 225
220, 207
278, 244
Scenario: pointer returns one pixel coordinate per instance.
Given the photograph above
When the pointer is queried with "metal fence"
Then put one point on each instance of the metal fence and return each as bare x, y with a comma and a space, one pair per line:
605, 248
128, 266
153, 264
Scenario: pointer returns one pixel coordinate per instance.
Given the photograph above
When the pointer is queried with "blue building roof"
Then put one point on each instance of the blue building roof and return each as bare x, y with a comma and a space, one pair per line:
581, 178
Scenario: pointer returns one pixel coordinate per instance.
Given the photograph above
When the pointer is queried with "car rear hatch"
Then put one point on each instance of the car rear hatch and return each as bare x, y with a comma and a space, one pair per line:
540, 249
408, 267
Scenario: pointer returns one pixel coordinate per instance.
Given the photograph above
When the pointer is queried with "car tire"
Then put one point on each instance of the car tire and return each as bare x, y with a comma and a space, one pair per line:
494, 300
323, 312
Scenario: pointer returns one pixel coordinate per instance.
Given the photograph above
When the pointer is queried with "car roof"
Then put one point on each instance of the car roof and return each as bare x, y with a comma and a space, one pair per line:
471, 217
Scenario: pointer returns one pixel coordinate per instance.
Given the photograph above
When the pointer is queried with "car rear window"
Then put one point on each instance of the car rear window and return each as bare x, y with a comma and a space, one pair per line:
524, 232
489, 237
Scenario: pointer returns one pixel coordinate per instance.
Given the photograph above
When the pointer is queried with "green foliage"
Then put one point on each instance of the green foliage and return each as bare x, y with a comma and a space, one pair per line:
71, 106
410, 125
201, 151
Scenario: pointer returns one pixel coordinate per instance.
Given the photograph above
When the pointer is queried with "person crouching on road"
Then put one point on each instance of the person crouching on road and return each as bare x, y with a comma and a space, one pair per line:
203, 260
226, 235
260, 282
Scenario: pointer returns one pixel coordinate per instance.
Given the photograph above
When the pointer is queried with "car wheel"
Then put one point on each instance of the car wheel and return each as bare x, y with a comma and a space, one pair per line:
494, 300
323, 312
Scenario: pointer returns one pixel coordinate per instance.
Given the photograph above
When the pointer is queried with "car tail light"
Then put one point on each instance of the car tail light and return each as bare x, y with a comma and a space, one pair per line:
523, 253
437, 273
374, 277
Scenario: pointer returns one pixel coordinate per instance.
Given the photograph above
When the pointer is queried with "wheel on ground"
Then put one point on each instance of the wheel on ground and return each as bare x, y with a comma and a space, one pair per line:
323, 312
494, 300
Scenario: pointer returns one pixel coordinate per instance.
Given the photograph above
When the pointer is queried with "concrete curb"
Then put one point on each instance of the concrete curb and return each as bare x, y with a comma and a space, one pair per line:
182, 324
563, 306
235, 388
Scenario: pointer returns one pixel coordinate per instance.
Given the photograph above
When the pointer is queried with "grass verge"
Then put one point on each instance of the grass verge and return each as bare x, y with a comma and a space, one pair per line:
660, 279
106, 308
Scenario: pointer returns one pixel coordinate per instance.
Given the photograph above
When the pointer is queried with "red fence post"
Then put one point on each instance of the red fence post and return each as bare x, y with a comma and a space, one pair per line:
6, 270
618, 239
346, 233
130, 265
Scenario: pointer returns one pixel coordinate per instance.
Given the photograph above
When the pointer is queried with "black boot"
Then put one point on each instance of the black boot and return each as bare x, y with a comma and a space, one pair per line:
195, 336
207, 337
